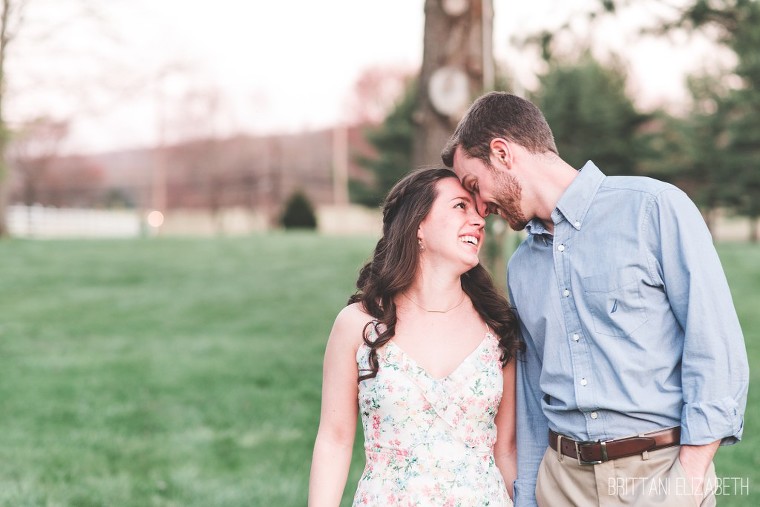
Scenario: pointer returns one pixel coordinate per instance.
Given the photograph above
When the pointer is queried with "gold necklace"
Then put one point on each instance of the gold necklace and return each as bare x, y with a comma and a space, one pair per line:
435, 311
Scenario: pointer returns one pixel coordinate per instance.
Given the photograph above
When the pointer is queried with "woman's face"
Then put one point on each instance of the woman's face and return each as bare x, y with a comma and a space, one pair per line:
453, 231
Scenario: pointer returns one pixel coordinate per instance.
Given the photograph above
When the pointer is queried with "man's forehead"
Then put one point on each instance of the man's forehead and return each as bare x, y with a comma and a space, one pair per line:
460, 158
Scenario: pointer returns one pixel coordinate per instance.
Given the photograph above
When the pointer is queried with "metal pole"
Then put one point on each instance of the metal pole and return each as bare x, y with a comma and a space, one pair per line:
340, 165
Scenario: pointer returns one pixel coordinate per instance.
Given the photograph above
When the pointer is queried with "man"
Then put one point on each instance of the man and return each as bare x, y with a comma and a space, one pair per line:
635, 364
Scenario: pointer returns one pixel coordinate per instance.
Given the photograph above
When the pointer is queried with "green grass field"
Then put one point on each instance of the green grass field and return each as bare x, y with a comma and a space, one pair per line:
186, 372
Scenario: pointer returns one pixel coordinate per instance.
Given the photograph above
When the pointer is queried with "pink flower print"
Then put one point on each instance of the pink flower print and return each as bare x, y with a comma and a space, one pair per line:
409, 443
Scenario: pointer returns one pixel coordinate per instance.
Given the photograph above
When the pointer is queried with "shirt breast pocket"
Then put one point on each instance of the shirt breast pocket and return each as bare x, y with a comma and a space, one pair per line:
615, 303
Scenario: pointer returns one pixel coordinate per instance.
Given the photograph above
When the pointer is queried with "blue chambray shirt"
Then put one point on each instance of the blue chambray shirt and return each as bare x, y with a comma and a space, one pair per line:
628, 322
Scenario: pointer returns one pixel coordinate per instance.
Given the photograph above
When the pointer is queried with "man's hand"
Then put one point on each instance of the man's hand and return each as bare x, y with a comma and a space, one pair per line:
695, 460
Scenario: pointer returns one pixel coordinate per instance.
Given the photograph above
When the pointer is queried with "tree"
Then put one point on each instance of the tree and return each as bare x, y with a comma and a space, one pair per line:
590, 113
33, 149
393, 140
10, 20
689, 151
744, 128
73, 181
457, 65
736, 24
744, 160
735, 121
299, 213
705, 166
376, 92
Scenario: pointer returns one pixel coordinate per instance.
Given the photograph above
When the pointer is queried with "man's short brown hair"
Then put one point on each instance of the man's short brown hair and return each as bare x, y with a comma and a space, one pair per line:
499, 114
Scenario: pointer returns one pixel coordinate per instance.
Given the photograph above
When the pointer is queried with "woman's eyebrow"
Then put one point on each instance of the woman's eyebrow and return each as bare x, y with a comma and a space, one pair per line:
464, 197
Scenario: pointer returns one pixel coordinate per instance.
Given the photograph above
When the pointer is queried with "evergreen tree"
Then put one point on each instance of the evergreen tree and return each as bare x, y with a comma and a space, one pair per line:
744, 130
299, 213
393, 142
724, 141
590, 113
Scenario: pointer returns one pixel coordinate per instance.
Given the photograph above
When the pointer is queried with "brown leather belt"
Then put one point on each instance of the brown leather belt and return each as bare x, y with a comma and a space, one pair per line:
593, 453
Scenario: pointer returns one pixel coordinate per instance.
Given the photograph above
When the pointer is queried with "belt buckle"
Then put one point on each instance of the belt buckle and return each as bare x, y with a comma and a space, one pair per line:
581, 461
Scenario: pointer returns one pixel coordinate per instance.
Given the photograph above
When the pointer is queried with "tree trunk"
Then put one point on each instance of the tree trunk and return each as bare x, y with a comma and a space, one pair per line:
456, 40
5, 38
753, 235
3, 195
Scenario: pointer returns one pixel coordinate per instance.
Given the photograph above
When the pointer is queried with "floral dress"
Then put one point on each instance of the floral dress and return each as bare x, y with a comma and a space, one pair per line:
429, 442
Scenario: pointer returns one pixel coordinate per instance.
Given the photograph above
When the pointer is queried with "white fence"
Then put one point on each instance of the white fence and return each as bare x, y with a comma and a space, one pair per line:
42, 222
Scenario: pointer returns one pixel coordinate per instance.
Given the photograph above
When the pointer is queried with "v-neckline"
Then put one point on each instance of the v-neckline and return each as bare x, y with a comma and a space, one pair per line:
452, 372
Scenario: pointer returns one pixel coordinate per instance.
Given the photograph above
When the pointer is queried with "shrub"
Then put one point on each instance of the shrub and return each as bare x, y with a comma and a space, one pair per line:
299, 213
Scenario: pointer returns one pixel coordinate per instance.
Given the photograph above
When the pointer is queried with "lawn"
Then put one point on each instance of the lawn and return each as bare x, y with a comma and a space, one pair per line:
186, 372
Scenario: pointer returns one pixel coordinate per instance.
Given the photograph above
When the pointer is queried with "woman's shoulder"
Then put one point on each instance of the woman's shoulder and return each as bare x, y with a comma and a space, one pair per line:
350, 324
354, 314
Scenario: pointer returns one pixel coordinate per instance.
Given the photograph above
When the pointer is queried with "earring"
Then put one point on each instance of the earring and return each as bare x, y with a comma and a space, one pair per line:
419, 242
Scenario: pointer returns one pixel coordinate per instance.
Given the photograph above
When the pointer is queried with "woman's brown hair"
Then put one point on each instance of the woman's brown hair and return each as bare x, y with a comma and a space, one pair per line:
394, 265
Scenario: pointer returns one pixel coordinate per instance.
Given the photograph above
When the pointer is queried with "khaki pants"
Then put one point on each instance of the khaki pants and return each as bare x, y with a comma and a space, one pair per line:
633, 481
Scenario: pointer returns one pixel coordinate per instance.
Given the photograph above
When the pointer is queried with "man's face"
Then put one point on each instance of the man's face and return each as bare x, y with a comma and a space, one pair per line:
495, 190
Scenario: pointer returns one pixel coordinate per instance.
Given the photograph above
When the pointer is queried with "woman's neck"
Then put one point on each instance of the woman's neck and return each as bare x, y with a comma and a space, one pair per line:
435, 294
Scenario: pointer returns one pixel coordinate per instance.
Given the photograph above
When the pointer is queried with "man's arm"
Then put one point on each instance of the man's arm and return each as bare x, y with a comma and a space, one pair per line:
695, 459
532, 426
714, 368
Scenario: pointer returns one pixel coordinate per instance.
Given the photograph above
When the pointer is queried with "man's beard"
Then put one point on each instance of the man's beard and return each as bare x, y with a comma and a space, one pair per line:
507, 199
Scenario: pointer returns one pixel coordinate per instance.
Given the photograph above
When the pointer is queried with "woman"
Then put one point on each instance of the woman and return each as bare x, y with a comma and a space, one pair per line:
430, 341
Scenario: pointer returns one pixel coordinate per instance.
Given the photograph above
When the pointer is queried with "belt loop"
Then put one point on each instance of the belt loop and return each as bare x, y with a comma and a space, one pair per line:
560, 456
645, 454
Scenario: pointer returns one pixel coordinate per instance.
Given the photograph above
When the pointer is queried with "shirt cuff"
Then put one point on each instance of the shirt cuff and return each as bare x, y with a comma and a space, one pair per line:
705, 422
525, 494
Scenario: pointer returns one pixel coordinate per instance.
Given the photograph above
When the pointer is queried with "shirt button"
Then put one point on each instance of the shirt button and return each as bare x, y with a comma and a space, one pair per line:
584, 381
566, 293
561, 248
577, 225
576, 337
594, 415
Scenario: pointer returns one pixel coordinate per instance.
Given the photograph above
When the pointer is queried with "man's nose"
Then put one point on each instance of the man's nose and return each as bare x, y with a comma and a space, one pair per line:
481, 206
477, 219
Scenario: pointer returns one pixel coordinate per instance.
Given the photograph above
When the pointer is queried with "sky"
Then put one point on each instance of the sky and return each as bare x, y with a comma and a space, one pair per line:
129, 73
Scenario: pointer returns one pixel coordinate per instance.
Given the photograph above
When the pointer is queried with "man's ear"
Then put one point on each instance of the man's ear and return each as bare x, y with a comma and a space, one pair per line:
501, 152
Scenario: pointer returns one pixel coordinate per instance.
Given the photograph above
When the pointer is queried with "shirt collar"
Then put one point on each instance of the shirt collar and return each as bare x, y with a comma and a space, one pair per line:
576, 200
536, 227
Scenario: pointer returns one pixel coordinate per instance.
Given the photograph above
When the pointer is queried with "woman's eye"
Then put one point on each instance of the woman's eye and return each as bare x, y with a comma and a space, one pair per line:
460, 205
